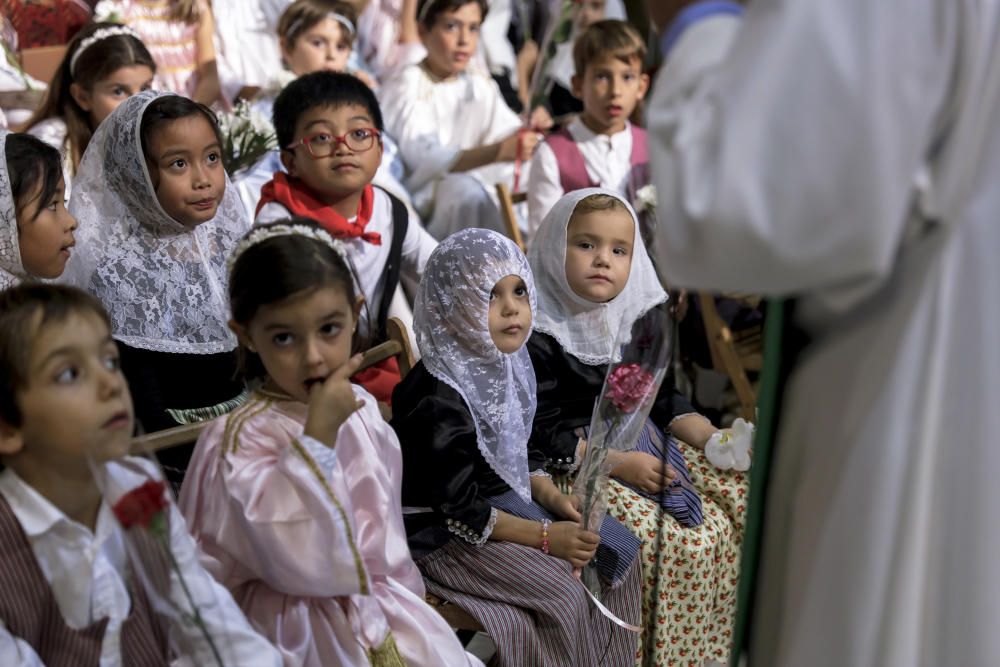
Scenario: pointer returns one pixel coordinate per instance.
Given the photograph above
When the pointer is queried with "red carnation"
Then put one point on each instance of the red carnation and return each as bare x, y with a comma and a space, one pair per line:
630, 386
141, 505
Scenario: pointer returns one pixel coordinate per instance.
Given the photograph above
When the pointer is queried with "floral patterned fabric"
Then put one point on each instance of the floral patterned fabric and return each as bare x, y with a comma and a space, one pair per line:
689, 575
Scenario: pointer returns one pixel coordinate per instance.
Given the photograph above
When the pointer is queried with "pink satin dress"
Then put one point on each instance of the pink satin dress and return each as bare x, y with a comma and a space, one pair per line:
312, 545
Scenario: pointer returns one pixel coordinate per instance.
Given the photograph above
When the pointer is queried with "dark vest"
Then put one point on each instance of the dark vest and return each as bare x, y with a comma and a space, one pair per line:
30, 612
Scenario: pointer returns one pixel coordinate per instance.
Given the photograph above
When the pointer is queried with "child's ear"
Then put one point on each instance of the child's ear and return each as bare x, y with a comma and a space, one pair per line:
241, 335
288, 160
576, 83
11, 439
80, 96
643, 86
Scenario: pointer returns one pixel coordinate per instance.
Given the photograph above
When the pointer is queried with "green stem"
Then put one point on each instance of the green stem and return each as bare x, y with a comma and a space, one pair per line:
196, 614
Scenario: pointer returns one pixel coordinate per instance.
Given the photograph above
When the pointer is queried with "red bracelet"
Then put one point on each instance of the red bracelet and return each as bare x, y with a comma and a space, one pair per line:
545, 535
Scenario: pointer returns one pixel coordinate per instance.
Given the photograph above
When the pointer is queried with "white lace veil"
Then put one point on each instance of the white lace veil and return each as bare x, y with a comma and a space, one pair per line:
164, 286
585, 329
11, 268
450, 322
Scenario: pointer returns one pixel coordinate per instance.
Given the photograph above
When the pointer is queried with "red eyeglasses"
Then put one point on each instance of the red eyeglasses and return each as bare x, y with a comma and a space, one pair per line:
323, 144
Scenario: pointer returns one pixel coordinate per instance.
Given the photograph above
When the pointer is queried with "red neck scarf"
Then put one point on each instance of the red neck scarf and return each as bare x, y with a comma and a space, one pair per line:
294, 196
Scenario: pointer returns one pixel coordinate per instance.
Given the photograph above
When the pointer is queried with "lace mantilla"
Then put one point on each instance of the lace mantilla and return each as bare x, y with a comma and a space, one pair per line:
585, 329
11, 268
164, 285
452, 331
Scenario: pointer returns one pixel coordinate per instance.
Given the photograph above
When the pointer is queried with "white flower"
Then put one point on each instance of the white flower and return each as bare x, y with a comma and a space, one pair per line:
731, 449
645, 199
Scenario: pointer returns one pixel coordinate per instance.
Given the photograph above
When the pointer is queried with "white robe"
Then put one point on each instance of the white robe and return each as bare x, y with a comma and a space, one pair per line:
800, 153
433, 122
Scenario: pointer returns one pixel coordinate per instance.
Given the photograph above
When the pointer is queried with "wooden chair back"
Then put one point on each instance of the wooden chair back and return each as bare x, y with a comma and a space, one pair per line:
42, 62
731, 356
507, 201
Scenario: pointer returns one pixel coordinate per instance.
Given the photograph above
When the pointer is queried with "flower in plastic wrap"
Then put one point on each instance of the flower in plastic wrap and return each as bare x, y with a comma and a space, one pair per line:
730, 450
645, 199
629, 387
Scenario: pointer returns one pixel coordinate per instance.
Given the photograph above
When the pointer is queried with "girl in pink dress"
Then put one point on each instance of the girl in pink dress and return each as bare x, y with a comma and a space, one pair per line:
294, 498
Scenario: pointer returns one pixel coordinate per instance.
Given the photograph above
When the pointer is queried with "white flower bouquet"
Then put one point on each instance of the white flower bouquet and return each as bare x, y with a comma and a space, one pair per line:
246, 137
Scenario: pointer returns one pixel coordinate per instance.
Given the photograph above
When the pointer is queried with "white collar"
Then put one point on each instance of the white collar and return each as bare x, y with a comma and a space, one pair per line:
582, 133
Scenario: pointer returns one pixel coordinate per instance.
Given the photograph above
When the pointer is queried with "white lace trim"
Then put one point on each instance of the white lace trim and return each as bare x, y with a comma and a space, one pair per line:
11, 268
468, 534
539, 473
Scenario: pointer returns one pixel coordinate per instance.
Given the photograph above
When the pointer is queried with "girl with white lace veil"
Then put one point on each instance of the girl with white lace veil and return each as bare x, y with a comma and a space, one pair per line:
595, 279
492, 533
159, 218
36, 231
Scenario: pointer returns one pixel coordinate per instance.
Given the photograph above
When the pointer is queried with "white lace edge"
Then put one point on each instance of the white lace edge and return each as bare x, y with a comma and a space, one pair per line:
215, 347
592, 359
539, 473
505, 475
482, 538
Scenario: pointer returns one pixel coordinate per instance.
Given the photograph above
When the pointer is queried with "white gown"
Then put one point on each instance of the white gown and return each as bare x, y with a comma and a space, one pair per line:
802, 153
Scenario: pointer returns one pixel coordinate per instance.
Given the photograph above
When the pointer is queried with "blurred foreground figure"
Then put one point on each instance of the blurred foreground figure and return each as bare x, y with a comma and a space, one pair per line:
847, 154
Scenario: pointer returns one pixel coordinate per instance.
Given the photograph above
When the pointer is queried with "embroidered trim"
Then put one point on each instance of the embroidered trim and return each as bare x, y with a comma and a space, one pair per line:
539, 473
468, 534
236, 422
386, 654
314, 467
195, 415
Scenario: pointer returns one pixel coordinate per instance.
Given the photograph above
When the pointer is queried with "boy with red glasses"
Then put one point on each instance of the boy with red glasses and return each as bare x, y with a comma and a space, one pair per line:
329, 127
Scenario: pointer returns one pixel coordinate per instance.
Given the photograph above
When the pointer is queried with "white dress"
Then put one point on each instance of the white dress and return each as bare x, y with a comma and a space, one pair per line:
848, 153
433, 122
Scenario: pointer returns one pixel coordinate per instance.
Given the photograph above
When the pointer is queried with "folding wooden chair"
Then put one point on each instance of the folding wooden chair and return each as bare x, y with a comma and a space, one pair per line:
507, 201
42, 62
731, 355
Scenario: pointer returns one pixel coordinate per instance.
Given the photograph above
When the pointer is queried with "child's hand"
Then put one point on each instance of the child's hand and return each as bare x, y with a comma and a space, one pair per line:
565, 506
541, 119
332, 402
567, 540
644, 471
526, 139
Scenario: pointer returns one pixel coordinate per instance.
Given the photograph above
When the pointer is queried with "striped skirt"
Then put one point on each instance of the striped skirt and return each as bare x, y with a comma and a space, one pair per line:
536, 611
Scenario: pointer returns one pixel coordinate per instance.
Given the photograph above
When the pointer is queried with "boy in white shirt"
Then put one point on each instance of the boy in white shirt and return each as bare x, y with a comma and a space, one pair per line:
600, 148
69, 595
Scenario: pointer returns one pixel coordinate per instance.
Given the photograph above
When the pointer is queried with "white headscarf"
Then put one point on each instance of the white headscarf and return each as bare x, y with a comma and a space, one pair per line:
164, 286
450, 319
11, 269
585, 329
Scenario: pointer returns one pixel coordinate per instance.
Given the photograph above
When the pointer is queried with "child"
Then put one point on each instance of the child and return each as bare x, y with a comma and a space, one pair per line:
294, 497
158, 220
329, 127
68, 596
36, 230
316, 36
104, 64
495, 535
594, 277
180, 34
457, 136
601, 148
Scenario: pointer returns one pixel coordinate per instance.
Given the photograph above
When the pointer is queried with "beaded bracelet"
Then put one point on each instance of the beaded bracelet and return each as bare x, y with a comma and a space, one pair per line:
545, 535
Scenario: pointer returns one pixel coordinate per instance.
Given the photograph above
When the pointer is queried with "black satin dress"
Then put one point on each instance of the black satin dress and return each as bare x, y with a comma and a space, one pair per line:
568, 390
442, 467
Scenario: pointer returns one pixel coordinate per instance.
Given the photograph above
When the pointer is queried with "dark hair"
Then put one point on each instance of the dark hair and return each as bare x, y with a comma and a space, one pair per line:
19, 307
302, 15
32, 166
166, 109
608, 38
277, 268
99, 61
320, 89
429, 10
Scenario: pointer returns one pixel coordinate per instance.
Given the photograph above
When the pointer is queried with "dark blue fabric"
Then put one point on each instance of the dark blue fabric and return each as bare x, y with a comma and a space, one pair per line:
618, 547
680, 499
694, 13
